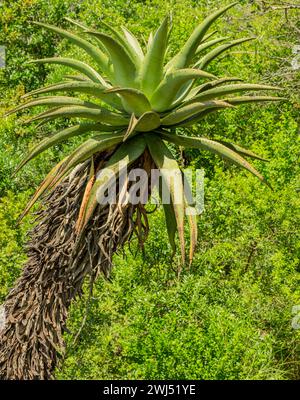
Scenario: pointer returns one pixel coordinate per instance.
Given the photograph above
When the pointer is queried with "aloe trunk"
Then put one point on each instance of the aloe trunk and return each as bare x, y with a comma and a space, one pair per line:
36, 309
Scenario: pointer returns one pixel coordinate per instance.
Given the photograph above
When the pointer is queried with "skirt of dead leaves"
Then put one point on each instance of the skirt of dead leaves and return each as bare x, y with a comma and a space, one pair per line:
36, 309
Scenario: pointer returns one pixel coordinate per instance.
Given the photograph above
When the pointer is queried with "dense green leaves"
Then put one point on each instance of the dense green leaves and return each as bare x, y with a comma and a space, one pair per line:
137, 98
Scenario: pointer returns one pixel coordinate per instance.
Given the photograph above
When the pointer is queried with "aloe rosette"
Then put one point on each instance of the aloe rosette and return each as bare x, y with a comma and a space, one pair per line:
136, 102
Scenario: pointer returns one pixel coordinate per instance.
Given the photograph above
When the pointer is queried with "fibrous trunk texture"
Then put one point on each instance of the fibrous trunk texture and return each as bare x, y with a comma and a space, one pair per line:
36, 309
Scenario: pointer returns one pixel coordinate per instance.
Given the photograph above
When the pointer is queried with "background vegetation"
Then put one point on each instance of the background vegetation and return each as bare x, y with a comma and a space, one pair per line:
230, 316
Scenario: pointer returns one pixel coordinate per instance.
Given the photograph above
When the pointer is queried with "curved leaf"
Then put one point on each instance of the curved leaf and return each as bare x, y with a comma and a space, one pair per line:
166, 92
76, 23
83, 152
125, 71
126, 154
210, 85
87, 87
208, 36
97, 114
75, 64
208, 58
134, 100
252, 99
146, 123
101, 59
169, 168
52, 101
79, 78
185, 112
214, 147
229, 89
61, 136
152, 68
241, 150
185, 55
205, 45
133, 45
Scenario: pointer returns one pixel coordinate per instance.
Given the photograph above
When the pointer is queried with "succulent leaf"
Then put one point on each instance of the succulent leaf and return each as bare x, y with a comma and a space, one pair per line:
75, 64
212, 55
125, 71
214, 147
166, 92
126, 154
152, 69
169, 169
185, 55
101, 59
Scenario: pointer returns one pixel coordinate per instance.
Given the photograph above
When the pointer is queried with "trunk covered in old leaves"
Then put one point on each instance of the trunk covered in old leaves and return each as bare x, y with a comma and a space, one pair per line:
36, 309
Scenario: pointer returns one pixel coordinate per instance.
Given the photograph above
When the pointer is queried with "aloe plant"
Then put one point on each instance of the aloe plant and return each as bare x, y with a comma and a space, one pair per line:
135, 102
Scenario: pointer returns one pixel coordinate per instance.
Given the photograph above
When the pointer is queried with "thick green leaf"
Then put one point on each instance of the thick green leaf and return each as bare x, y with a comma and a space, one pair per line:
170, 171
79, 78
187, 52
185, 112
87, 87
214, 147
101, 59
75, 64
152, 68
131, 127
229, 89
82, 153
197, 117
212, 55
134, 101
241, 150
76, 23
187, 92
126, 154
133, 45
165, 94
252, 99
96, 114
208, 36
90, 147
128, 41
52, 101
61, 136
210, 85
206, 45
125, 71
147, 122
